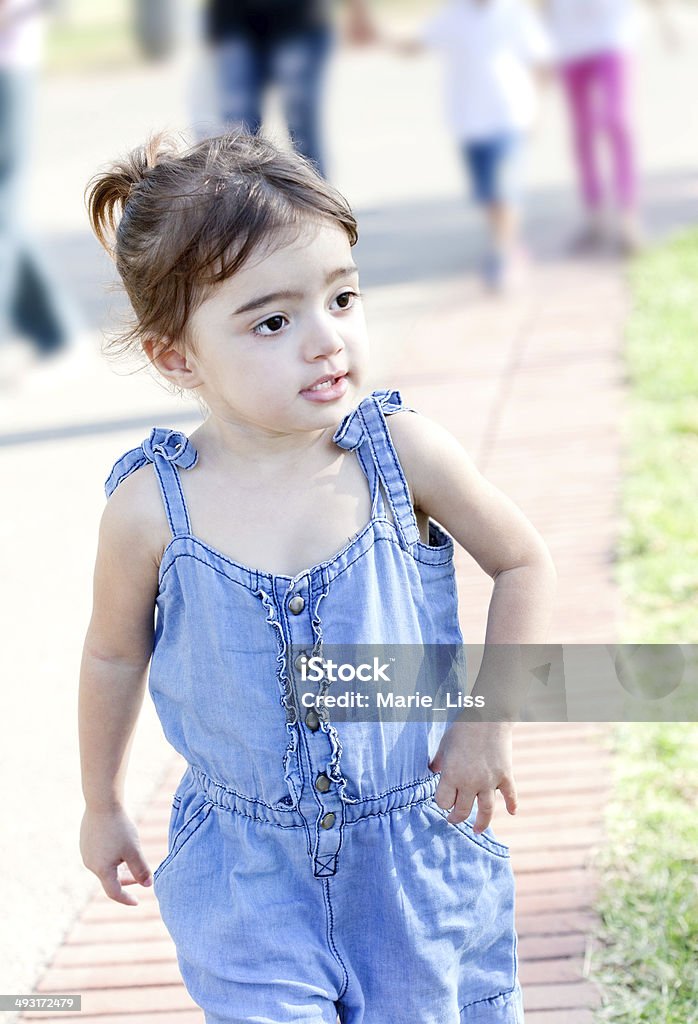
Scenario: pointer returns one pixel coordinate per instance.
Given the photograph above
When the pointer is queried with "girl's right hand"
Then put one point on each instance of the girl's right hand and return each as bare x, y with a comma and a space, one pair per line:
108, 839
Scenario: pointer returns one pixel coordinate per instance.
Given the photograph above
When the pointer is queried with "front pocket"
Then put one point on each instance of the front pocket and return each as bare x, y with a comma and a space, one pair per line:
482, 840
184, 833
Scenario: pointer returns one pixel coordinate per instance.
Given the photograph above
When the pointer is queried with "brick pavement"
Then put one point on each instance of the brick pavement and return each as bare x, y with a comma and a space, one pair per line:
533, 389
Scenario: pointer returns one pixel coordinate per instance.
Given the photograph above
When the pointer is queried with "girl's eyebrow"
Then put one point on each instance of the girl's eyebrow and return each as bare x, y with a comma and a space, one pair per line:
263, 300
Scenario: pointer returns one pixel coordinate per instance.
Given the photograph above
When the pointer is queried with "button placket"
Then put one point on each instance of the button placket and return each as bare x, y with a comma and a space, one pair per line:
322, 804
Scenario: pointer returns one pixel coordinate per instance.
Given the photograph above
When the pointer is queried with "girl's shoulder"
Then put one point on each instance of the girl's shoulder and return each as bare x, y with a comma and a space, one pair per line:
422, 447
135, 510
135, 506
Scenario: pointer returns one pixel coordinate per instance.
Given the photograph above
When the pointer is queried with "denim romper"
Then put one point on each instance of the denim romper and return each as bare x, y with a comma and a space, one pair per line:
309, 872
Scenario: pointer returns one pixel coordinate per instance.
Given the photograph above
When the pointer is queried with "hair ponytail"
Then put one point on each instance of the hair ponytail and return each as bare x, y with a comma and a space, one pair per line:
107, 194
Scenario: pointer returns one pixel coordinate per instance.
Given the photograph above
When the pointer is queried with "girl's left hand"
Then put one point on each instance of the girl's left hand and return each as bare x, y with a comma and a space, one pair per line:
474, 759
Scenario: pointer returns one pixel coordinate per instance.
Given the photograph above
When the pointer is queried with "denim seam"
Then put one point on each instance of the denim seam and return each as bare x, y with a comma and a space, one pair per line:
396, 789
183, 504
373, 484
137, 465
176, 850
429, 561
388, 810
163, 489
252, 817
277, 618
233, 792
189, 820
490, 845
330, 937
393, 453
306, 824
325, 565
488, 999
188, 554
398, 517
272, 807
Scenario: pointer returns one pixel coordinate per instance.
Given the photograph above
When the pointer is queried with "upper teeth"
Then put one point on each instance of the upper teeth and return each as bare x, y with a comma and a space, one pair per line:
324, 384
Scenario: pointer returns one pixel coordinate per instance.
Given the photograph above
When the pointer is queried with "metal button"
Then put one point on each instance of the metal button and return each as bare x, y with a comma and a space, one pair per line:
301, 659
328, 820
322, 783
296, 604
312, 720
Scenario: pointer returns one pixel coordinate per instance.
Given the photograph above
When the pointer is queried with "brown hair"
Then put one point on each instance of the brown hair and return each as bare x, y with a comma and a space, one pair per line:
176, 222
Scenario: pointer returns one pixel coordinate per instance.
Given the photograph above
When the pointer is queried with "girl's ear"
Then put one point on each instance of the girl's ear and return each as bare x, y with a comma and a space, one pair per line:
172, 362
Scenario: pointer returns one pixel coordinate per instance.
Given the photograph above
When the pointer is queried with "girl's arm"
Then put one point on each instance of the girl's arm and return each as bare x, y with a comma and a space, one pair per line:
112, 679
361, 28
447, 485
475, 757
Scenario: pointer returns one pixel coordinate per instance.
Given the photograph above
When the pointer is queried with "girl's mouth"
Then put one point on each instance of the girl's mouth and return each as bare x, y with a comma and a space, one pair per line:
327, 389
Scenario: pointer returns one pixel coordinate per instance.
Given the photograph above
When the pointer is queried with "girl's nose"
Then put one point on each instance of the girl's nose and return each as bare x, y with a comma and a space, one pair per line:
322, 339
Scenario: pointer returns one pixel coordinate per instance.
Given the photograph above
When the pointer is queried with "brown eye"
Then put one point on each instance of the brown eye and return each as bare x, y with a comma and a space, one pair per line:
345, 299
271, 326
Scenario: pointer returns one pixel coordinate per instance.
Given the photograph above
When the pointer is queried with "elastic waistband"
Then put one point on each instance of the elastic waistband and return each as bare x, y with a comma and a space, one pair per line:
392, 800
289, 816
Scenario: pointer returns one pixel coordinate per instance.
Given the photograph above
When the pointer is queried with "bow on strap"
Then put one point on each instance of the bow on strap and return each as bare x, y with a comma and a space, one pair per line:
171, 445
350, 432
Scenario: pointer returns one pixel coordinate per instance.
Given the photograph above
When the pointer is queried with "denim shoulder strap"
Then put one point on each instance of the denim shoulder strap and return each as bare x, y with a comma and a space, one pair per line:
166, 449
365, 430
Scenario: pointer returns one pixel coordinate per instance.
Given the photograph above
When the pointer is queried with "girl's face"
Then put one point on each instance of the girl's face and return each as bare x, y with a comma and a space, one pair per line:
281, 345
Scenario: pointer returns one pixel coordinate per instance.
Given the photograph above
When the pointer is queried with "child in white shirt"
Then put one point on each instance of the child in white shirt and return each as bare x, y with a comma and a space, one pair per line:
490, 51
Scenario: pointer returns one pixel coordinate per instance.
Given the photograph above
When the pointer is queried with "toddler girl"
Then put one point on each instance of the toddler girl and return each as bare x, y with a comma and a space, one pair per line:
313, 867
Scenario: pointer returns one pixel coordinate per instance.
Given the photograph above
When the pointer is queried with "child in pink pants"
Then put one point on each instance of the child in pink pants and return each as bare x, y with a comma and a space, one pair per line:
593, 40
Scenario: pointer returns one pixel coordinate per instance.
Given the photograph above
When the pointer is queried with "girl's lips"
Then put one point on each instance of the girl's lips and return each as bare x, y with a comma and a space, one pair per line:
330, 391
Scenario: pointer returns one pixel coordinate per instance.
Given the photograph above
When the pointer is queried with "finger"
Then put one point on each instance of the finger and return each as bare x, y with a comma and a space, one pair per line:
508, 791
463, 806
485, 810
445, 795
139, 869
112, 887
435, 763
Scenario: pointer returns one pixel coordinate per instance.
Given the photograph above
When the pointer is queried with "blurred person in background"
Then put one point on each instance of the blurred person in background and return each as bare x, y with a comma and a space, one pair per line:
256, 44
33, 308
493, 51
594, 40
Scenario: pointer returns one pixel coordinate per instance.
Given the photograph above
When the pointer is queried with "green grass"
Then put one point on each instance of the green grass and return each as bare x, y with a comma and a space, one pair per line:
658, 553
646, 955
92, 37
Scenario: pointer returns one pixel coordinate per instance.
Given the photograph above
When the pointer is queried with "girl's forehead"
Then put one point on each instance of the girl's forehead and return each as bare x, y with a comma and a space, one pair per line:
312, 244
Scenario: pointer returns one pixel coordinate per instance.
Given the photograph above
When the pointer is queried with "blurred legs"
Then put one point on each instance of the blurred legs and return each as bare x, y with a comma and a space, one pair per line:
298, 67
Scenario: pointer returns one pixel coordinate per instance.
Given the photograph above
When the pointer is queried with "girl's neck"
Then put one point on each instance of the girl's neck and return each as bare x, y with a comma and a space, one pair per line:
236, 445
